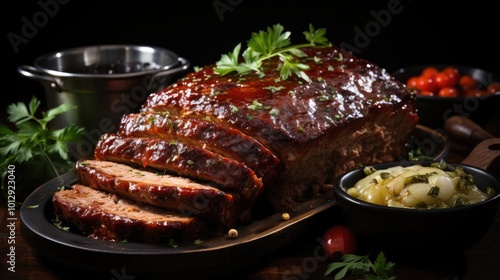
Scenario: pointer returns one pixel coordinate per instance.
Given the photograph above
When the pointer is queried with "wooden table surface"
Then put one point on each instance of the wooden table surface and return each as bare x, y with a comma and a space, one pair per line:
295, 261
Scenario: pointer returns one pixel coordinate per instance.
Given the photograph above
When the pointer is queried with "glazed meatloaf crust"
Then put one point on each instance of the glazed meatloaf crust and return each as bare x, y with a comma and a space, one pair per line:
221, 139
105, 216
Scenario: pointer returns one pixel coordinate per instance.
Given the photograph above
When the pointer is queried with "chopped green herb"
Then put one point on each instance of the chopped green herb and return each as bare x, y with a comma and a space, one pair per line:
419, 178
442, 164
165, 113
433, 191
274, 112
234, 109
171, 243
417, 155
59, 224
170, 125
198, 242
256, 105
340, 58
274, 89
172, 142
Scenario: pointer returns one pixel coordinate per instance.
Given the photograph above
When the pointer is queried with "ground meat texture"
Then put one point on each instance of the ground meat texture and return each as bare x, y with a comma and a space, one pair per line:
163, 190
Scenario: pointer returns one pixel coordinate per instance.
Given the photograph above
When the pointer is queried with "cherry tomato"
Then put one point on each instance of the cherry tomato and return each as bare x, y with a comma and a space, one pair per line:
339, 240
412, 82
466, 82
476, 92
427, 93
453, 73
426, 84
448, 92
429, 72
493, 88
442, 79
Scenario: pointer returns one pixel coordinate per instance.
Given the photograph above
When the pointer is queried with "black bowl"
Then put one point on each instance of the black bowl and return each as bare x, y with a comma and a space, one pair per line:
433, 110
426, 144
417, 232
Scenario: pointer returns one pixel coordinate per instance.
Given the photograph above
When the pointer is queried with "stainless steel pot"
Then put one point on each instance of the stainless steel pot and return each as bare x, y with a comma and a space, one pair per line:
104, 82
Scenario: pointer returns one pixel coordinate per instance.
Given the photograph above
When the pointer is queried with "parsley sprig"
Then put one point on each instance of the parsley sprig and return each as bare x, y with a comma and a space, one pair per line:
33, 138
357, 265
274, 42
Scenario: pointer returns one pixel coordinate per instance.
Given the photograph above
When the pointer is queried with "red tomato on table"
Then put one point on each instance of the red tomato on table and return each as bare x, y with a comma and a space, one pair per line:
339, 240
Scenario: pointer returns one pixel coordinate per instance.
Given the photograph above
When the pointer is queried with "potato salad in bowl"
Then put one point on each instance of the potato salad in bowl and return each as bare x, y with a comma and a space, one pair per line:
418, 186
418, 209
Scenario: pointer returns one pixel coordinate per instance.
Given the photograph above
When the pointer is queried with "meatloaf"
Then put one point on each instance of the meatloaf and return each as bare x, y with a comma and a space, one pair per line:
263, 139
353, 113
101, 215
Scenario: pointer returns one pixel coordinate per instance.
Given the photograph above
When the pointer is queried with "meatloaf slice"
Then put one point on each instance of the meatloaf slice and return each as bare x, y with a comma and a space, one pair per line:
106, 216
182, 159
171, 192
213, 136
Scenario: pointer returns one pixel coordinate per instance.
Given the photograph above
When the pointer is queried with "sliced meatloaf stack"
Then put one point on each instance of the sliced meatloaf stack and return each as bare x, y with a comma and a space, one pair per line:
214, 147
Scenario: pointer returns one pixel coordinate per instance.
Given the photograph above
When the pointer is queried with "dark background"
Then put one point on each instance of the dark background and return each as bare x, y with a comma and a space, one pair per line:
421, 33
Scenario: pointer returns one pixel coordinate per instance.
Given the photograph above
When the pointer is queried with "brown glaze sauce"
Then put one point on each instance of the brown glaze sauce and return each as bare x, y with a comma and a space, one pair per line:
343, 87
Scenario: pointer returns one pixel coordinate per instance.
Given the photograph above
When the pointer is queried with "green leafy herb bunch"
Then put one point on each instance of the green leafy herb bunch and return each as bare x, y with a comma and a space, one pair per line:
34, 152
274, 42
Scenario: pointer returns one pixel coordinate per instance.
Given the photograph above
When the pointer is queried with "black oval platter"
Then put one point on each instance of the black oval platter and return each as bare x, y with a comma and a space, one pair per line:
216, 254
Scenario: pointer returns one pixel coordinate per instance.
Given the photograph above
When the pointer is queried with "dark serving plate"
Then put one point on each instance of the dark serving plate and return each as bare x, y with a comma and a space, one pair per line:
426, 144
217, 254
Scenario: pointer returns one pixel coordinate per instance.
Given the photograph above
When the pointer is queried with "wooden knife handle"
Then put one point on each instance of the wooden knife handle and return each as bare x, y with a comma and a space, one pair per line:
465, 130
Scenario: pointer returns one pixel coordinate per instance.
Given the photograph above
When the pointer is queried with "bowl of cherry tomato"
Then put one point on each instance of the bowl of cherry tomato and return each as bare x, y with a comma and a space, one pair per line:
446, 90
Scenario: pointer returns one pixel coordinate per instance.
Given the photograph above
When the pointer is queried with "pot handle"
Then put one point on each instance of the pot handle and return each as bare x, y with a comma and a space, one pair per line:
464, 130
33, 73
185, 64
485, 155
